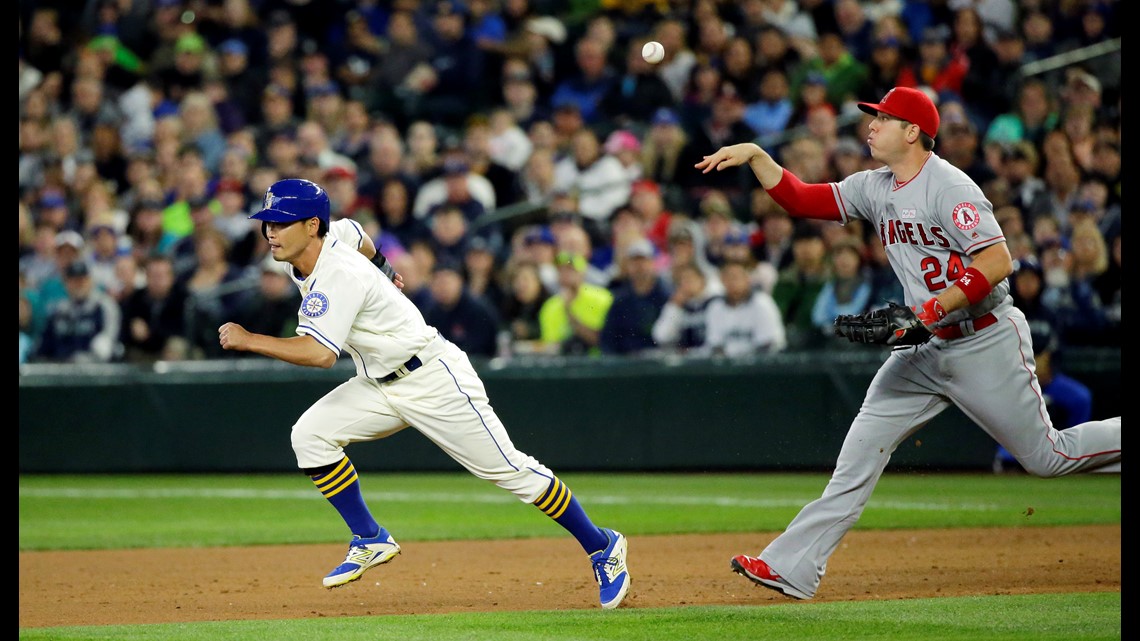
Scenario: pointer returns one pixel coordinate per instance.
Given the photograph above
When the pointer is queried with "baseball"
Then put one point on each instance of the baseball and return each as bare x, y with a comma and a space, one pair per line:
653, 52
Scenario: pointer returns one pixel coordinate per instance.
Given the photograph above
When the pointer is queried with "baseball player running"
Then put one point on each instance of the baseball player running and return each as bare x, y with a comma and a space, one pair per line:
407, 374
949, 253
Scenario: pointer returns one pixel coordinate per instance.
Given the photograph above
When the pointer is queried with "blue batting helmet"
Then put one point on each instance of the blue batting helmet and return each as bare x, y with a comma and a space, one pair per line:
294, 199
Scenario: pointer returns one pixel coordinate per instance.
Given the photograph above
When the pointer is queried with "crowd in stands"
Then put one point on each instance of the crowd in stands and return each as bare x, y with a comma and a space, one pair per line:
529, 175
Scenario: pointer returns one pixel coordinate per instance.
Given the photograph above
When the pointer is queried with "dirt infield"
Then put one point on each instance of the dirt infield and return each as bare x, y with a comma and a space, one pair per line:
284, 582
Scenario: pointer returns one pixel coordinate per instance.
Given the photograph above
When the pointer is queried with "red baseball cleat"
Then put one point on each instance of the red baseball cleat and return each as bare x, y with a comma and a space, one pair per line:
759, 573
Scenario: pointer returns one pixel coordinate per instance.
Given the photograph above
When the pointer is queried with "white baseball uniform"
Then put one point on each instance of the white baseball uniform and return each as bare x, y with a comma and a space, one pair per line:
930, 226
349, 306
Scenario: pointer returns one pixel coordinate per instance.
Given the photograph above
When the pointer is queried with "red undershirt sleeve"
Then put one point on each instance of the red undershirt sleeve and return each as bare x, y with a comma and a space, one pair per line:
802, 200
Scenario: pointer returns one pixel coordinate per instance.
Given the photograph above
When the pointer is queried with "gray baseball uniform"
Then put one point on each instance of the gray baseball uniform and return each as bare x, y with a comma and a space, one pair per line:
930, 226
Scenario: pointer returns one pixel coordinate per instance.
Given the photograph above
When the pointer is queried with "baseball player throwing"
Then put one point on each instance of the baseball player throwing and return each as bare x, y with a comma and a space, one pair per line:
950, 255
407, 374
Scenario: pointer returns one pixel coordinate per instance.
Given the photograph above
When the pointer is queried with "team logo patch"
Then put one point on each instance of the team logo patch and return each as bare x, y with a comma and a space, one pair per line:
270, 200
315, 305
966, 216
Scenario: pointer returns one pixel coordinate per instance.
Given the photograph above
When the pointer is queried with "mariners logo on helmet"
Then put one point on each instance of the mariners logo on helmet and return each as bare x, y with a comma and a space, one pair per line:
315, 305
293, 199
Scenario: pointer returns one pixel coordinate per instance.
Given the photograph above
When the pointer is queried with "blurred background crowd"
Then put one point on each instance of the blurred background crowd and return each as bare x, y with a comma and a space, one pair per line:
530, 176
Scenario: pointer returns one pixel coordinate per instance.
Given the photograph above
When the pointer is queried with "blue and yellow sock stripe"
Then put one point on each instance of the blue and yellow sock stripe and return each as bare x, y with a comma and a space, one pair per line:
332, 483
555, 499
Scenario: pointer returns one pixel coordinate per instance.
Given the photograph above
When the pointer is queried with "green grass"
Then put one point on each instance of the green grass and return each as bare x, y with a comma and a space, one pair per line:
1080, 617
189, 511
197, 511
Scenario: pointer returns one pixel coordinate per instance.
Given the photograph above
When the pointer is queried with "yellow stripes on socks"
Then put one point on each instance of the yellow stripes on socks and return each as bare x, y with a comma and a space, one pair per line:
342, 476
555, 500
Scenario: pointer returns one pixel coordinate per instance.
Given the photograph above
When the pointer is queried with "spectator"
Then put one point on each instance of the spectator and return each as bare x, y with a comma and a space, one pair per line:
83, 327
686, 244
395, 213
771, 112
403, 50
346, 202
738, 69
959, 142
385, 161
28, 334
451, 86
746, 320
146, 232
587, 87
1083, 314
597, 179
993, 90
277, 117
718, 222
847, 290
536, 178
508, 144
215, 288
938, 67
153, 326
104, 250
843, 73
450, 233
477, 154
626, 147
242, 79
1034, 114
885, 286
798, 286
524, 298
723, 125
62, 248
639, 90
201, 129
676, 68
520, 95
481, 273
661, 153
648, 204
536, 244
460, 317
637, 302
456, 185
682, 324
571, 320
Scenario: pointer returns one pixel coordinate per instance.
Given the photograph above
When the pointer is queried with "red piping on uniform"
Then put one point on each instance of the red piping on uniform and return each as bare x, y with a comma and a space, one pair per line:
1041, 406
970, 249
899, 185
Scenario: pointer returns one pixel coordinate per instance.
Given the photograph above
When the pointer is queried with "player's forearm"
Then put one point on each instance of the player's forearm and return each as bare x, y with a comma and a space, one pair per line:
766, 169
993, 264
297, 350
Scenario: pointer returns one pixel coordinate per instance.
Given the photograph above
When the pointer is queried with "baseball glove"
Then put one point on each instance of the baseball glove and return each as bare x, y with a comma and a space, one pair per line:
891, 325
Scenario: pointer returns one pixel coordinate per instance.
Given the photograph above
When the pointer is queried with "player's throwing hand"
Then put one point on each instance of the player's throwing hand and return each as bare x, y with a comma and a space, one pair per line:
731, 156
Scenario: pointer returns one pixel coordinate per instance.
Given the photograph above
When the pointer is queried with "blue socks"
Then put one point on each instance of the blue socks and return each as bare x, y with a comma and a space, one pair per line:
559, 503
342, 488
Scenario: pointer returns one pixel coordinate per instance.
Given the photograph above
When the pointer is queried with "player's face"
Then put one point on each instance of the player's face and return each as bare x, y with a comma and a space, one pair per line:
288, 240
886, 137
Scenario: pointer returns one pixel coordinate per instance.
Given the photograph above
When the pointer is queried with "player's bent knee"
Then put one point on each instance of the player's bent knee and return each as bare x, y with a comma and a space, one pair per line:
312, 451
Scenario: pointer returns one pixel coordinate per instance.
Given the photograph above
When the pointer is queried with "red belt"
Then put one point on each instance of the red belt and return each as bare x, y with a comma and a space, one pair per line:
966, 328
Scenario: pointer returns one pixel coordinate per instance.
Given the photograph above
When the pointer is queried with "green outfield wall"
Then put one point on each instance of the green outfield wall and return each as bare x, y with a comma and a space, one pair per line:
779, 412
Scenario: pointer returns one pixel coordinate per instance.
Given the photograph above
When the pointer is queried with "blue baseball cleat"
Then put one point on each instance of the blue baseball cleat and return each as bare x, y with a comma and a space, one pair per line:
610, 570
363, 554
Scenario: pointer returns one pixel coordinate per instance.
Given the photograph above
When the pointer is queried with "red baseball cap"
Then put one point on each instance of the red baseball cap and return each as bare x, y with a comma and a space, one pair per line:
909, 104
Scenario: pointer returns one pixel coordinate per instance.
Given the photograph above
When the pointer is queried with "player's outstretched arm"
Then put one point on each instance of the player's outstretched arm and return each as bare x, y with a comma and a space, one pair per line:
796, 197
767, 170
298, 350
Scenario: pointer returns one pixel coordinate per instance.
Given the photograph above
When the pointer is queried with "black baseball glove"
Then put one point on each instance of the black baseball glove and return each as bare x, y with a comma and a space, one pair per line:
891, 325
